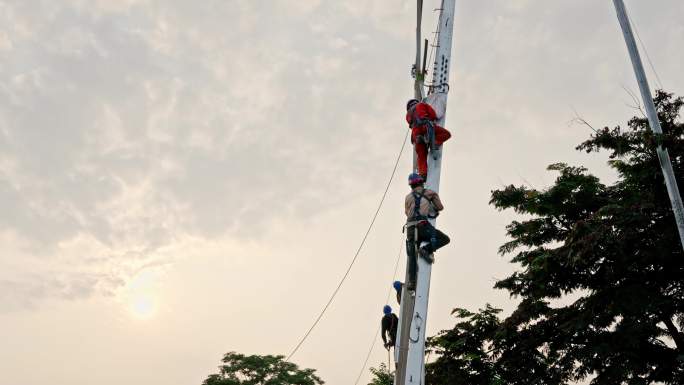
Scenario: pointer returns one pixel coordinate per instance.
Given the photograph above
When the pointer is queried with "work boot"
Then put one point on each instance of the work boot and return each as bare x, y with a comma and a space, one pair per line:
424, 252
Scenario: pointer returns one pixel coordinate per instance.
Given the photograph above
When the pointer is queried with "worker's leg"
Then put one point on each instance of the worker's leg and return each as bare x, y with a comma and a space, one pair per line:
412, 262
441, 135
436, 238
441, 240
421, 156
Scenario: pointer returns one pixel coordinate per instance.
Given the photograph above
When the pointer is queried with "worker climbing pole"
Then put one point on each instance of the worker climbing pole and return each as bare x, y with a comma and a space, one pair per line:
388, 326
425, 115
422, 238
426, 135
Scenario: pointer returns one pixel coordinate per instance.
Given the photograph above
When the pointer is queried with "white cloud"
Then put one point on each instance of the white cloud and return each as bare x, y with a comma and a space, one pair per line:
125, 133
135, 135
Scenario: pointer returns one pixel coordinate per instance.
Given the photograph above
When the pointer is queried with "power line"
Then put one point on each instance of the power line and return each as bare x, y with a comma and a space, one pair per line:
356, 255
648, 57
433, 47
365, 363
377, 331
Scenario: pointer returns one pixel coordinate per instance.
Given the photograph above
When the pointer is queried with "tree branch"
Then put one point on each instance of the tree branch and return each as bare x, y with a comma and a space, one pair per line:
580, 120
676, 335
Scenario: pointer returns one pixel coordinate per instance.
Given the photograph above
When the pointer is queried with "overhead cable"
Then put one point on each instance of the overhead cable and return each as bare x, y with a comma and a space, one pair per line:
356, 255
648, 57
377, 331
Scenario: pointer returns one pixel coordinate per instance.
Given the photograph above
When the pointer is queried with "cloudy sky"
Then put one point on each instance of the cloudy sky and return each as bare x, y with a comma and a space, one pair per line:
180, 179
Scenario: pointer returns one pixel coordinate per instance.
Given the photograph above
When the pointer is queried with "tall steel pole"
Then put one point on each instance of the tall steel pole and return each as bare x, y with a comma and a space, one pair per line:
417, 74
654, 123
413, 317
418, 85
407, 301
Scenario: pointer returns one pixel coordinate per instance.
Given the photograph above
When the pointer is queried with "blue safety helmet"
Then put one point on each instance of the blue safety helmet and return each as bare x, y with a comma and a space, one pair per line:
411, 103
415, 179
397, 285
387, 309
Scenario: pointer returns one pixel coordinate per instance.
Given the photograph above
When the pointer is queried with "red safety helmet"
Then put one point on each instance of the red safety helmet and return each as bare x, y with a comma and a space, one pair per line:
415, 179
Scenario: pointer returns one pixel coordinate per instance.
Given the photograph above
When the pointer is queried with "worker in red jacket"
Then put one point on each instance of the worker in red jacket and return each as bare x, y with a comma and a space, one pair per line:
420, 116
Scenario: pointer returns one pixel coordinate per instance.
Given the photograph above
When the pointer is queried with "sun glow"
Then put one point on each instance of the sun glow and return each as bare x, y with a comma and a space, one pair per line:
141, 295
143, 307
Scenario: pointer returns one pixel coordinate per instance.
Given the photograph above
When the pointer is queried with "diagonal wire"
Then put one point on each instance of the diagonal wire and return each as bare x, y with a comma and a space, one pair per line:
377, 331
648, 57
356, 255
433, 47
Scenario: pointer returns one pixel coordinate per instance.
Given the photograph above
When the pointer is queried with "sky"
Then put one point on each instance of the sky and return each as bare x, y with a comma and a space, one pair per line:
181, 179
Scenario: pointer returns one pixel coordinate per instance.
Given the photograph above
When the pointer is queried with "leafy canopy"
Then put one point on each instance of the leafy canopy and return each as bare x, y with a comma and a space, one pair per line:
465, 353
381, 376
601, 276
239, 369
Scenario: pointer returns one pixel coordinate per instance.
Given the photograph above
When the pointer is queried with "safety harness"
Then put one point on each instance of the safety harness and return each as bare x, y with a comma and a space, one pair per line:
417, 219
429, 138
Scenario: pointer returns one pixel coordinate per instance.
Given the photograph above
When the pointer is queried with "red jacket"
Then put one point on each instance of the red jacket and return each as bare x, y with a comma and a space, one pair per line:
420, 112
416, 116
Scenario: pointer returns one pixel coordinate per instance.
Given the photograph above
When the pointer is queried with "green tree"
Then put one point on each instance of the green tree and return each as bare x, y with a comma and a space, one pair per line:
602, 270
483, 350
381, 376
465, 354
239, 369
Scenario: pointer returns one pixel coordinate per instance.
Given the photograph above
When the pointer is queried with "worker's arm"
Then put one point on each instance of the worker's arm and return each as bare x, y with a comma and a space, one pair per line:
384, 329
436, 202
408, 205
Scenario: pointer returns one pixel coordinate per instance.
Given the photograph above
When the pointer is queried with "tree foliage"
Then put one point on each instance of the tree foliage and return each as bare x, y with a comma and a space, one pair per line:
600, 277
615, 250
239, 369
465, 353
381, 376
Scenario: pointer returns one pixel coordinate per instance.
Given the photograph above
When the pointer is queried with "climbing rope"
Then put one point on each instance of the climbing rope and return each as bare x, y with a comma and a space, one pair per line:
377, 331
356, 255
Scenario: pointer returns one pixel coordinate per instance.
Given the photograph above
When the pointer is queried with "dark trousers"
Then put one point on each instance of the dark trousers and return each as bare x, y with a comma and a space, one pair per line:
426, 233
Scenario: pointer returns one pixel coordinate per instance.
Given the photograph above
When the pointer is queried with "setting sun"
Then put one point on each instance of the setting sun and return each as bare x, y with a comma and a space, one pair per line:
140, 295
143, 307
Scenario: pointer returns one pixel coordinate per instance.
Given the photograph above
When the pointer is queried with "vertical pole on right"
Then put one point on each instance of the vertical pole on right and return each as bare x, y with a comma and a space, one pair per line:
653, 121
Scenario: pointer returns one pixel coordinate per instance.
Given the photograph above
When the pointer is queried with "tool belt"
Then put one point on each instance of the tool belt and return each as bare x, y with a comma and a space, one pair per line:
418, 222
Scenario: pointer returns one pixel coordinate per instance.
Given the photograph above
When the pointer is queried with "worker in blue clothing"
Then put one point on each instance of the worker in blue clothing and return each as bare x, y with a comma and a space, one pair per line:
389, 324
398, 286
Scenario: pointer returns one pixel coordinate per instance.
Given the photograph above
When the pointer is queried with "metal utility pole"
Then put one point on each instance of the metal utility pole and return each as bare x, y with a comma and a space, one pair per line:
653, 122
417, 72
407, 301
410, 355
